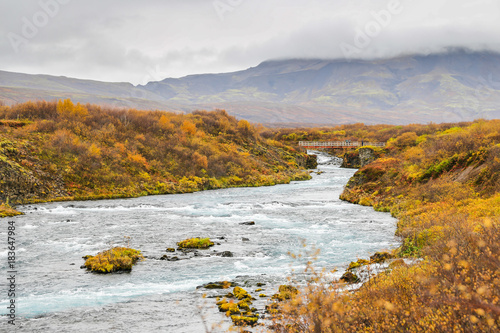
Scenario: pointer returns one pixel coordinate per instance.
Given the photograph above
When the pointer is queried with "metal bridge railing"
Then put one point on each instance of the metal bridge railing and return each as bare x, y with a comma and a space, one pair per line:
326, 144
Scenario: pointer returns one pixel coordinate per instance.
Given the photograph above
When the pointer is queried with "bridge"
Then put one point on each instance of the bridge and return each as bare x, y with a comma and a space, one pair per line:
339, 144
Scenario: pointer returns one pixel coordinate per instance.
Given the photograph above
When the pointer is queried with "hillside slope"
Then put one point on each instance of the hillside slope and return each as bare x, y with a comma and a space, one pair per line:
60, 151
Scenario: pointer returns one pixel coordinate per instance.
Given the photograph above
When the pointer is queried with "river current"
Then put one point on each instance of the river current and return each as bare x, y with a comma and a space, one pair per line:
53, 294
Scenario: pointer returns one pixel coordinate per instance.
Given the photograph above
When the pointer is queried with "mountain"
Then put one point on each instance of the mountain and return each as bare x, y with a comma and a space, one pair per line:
453, 86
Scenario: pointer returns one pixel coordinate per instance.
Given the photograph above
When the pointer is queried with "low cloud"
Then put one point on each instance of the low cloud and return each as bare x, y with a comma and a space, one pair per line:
146, 41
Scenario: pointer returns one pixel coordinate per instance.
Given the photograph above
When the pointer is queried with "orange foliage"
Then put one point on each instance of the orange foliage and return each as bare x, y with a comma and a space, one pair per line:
67, 109
444, 187
188, 127
98, 151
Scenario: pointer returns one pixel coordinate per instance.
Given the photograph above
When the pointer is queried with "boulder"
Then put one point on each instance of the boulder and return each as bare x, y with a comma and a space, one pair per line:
379, 257
349, 277
225, 254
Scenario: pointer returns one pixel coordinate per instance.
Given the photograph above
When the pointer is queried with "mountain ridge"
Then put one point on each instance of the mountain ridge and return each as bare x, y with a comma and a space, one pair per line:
453, 86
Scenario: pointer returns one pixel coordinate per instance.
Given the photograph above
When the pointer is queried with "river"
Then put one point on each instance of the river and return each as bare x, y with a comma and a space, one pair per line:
54, 295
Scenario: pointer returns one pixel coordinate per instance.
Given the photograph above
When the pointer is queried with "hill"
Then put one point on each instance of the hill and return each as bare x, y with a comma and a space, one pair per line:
63, 151
454, 86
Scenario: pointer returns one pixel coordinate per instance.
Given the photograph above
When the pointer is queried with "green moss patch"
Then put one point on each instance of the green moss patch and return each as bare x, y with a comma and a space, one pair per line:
195, 243
358, 263
113, 260
245, 320
7, 211
285, 292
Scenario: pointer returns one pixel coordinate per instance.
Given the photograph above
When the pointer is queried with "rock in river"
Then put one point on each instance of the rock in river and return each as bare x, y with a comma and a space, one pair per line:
225, 254
248, 223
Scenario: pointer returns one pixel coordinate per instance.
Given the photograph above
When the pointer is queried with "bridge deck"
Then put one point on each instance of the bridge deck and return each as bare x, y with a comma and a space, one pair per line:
339, 144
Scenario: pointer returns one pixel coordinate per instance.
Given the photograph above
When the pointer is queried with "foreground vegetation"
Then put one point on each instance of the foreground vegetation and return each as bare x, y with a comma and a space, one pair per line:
444, 187
62, 151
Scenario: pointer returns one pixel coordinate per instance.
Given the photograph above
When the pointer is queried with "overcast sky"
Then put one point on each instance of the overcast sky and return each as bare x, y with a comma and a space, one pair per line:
141, 41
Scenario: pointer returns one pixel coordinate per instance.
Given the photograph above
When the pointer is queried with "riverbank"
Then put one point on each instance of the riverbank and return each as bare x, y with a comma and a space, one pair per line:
444, 188
174, 188
61, 151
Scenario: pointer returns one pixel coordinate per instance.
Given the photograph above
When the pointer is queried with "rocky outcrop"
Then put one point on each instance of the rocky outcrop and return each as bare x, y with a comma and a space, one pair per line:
351, 160
23, 179
311, 162
366, 156
359, 158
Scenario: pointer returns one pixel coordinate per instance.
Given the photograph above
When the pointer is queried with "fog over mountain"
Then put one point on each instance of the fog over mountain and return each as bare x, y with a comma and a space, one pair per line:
453, 86
139, 42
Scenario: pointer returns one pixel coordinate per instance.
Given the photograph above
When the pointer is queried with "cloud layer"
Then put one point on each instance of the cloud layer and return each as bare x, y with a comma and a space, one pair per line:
128, 40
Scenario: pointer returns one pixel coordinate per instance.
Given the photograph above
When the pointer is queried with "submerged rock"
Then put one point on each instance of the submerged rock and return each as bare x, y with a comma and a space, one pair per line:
248, 223
225, 254
218, 285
